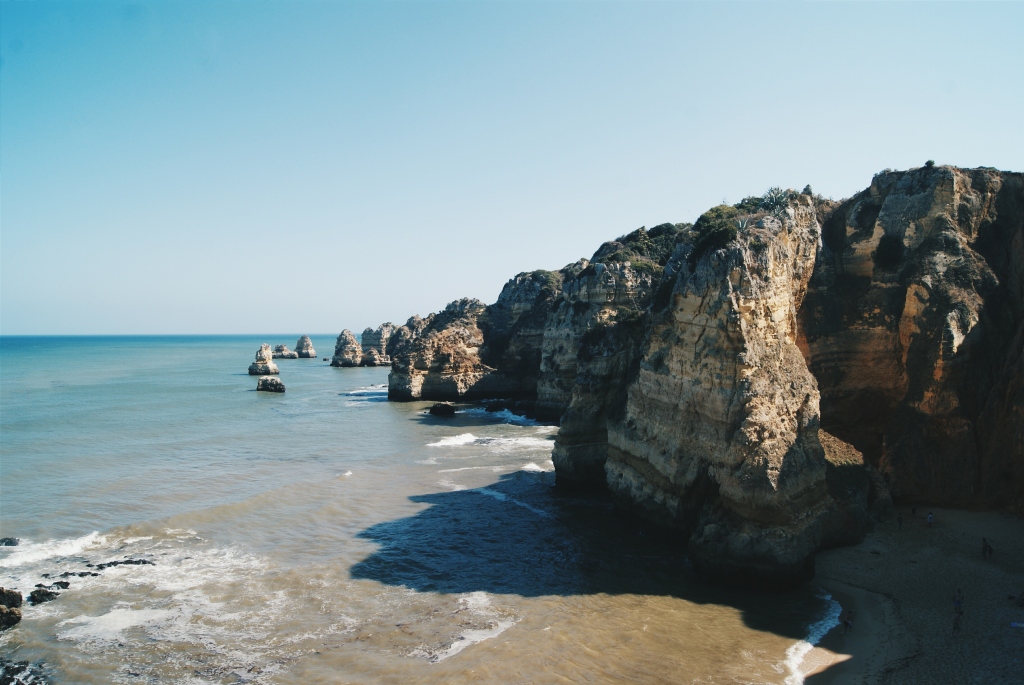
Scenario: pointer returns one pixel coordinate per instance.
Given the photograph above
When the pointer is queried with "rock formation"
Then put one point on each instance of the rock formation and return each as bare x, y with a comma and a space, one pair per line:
304, 348
374, 345
347, 350
762, 380
914, 327
269, 384
282, 352
10, 608
264, 363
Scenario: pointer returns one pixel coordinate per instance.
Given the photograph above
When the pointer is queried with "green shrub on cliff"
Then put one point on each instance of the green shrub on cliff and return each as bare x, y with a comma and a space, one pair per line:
715, 228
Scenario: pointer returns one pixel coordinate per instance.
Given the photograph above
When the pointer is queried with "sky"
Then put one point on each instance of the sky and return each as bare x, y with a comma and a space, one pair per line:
303, 167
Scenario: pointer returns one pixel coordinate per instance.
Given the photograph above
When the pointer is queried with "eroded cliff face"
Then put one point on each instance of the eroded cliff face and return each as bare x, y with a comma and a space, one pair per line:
443, 361
720, 432
374, 345
914, 328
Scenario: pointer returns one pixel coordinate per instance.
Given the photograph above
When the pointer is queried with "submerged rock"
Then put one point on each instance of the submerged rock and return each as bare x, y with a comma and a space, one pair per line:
9, 542
347, 350
282, 352
264, 363
10, 608
443, 409
269, 384
304, 348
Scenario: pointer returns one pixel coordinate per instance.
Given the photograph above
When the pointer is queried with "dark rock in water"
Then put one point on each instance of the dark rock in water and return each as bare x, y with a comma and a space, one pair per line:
445, 410
10, 608
10, 598
125, 562
59, 585
493, 407
269, 384
9, 542
20, 673
42, 595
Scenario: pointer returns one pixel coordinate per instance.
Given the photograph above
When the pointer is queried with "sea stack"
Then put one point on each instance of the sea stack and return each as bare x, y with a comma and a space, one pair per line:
375, 344
264, 363
304, 348
282, 352
347, 350
269, 384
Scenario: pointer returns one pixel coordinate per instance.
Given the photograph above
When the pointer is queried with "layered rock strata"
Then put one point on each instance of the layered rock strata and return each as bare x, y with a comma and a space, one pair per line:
914, 327
282, 352
264, 363
719, 437
304, 348
347, 350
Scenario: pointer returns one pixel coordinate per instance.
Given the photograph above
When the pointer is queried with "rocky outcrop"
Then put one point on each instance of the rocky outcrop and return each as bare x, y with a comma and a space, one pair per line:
914, 327
374, 345
269, 384
264, 363
304, 348
10, 608
347, 350
282, 352
443, 361
719, 437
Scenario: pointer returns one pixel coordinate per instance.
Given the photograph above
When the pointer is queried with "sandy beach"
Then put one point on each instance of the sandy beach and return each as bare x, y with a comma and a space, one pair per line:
900, 585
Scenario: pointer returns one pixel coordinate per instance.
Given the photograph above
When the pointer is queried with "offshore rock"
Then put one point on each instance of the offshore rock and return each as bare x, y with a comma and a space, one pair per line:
719, 436
374, 358
269, 384
304, 348
264, 363
10, 608
347, 350
41, 595
914, 327
443, 409
282, 352
9, 542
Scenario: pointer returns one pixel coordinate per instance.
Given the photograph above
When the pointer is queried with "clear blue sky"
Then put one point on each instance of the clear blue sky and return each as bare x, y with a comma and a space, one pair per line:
228, 167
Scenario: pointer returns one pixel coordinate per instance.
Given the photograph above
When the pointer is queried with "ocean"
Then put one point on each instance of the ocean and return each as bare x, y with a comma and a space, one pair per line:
326, 535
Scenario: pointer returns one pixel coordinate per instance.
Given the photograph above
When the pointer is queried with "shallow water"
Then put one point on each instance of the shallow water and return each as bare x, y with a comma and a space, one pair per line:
327, 535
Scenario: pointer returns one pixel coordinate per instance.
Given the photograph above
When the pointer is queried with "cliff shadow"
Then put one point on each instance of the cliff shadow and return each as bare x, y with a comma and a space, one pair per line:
521, 536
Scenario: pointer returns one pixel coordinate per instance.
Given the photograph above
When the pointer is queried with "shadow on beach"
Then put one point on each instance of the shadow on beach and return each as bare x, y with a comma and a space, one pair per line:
521, 536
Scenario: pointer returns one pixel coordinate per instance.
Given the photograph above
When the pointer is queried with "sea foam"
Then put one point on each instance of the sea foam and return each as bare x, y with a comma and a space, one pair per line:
817, 630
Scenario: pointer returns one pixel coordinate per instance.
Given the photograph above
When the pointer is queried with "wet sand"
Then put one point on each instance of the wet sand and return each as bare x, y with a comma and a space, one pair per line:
900, 586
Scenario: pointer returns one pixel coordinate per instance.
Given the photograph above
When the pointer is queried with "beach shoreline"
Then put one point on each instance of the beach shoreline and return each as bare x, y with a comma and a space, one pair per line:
900, 583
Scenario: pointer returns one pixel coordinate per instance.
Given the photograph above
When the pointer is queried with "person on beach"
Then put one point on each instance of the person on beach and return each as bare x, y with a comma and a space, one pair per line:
984, 548
899, 521
847, 620
930, 519
988, 549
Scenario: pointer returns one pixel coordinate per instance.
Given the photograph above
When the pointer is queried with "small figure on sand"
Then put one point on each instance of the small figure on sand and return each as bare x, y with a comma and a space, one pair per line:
847, 620
899, 521
931, 518
986, 549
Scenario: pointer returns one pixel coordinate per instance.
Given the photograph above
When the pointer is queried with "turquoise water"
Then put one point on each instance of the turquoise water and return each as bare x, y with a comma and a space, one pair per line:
327, 535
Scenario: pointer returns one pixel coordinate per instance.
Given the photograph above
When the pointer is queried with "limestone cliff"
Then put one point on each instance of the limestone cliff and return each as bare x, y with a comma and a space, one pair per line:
443, 361
720, 430
347, 350
914, 328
